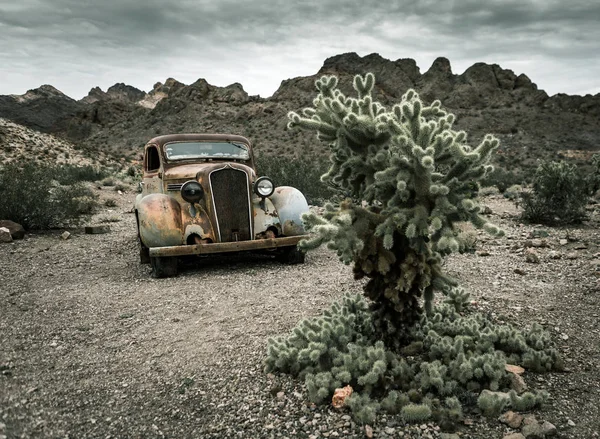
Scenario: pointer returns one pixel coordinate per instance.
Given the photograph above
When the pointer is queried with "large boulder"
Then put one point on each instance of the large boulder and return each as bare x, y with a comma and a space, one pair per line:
16, 230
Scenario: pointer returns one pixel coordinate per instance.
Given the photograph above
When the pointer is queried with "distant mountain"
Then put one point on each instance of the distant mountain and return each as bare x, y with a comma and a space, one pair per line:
44, 109
485, 98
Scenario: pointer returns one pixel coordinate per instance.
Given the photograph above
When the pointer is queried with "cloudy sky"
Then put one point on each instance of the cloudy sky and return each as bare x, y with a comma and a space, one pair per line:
78, 44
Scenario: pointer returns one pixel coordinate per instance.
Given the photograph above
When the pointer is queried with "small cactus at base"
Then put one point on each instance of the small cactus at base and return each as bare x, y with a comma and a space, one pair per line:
415, 412
492, 404
457, 355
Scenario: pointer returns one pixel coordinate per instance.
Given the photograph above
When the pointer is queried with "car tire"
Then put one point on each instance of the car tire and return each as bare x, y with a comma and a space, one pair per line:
163, 267
144, 253
291, 256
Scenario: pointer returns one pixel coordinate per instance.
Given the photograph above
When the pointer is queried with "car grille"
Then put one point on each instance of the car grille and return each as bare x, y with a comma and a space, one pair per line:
174, 186
232, 204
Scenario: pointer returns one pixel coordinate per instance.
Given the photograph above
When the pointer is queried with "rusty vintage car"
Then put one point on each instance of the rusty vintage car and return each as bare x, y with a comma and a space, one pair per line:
200, 194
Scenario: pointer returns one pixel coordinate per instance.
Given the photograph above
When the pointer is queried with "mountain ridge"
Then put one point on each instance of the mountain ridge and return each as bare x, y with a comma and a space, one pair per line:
485, 98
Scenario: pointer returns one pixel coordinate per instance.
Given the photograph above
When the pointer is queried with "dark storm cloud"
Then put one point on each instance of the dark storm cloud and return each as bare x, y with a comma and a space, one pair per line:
83, 43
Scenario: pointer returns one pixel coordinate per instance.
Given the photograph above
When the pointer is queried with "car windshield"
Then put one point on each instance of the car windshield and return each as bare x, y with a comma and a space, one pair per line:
206, 150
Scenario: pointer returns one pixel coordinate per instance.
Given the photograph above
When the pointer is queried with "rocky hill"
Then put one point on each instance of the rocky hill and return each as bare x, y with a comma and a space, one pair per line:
19, 143
485, 98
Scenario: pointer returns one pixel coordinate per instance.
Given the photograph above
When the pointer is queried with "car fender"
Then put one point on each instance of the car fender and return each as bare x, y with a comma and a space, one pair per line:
159, 219
290, 204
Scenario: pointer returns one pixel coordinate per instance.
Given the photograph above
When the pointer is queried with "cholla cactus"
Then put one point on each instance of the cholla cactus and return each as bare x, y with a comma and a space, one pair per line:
409, 177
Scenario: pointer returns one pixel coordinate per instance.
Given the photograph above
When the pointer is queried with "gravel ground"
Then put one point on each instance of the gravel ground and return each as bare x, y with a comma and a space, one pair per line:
92, 347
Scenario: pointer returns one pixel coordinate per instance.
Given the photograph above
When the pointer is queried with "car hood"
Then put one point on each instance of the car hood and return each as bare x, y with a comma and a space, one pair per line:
190, 171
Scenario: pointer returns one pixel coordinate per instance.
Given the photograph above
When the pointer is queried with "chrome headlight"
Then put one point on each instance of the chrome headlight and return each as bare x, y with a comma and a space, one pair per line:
192, 191
264, 187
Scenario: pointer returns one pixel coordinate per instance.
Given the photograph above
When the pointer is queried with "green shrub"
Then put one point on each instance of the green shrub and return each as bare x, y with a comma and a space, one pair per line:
302, 173
108, 181
121, 187
502, 179
513, 192
33, 197
593, 179
558, 196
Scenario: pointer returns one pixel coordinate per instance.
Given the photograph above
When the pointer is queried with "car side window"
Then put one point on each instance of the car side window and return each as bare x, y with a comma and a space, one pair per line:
152, 159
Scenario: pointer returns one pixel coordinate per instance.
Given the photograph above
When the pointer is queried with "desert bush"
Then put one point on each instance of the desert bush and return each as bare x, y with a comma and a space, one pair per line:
302, 173
121, 187
559, 195
69, 174
108, 181
132, 171
593, 179
502, 179
513, 192
33, 197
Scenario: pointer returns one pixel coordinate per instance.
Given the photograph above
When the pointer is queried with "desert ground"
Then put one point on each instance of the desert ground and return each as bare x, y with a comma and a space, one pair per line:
91, 346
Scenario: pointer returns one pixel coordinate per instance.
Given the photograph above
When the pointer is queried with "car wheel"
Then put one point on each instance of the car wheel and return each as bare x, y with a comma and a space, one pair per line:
144, 253
163, 267
291, 256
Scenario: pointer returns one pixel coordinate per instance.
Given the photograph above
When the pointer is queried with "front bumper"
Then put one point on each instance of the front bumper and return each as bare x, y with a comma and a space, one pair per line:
225, 247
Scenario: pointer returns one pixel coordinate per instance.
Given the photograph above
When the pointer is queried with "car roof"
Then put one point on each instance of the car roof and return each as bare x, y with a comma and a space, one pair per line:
161, 140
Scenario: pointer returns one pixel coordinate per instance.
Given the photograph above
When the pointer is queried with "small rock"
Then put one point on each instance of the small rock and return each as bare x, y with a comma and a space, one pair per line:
514, 436
580, 247
2, 427
449, 436
564, 336
280, 395
65, 235
572, 255
563, 242
549, 429
390, 430
555, 255
570, 423
16, 230
368, 431
539, 243
531, 256
512, 419
96, 230
5, 235
517, 383
483, 253
512, 368
520, 271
